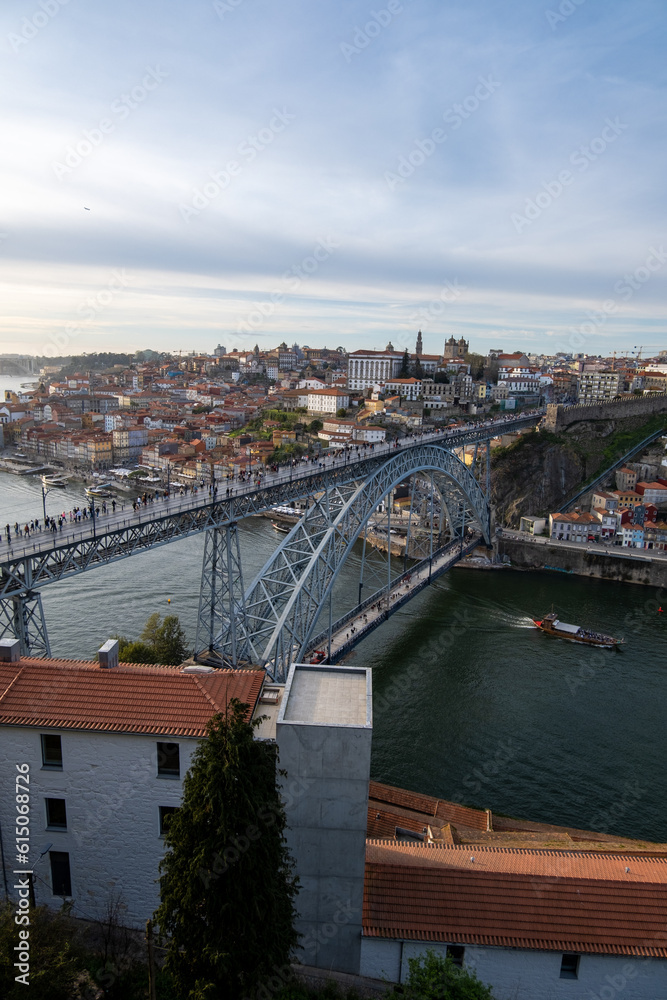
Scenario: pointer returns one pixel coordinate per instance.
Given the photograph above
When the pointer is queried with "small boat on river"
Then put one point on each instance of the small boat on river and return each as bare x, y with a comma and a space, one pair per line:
552, 625
54, 479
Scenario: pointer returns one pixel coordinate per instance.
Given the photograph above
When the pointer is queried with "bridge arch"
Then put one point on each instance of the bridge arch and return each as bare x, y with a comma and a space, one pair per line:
281, 606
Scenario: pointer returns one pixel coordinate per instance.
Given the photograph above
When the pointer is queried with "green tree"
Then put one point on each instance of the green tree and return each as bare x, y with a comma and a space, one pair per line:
342, 412
432, 977
136, 652
314, 426
227, 886
170, 646
405, 365
165, 639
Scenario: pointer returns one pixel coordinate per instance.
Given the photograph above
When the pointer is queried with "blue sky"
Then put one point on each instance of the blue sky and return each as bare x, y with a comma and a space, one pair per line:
333, 173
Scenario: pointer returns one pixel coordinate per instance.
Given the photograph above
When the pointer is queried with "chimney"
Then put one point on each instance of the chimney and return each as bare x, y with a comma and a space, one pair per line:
10, 650
108, 654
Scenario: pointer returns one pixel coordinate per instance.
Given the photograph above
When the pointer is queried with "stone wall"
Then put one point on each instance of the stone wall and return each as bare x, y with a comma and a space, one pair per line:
559, 416
620, 566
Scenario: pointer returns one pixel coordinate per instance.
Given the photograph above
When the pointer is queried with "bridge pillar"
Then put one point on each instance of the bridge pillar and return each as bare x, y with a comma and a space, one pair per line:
221, 637
22, 618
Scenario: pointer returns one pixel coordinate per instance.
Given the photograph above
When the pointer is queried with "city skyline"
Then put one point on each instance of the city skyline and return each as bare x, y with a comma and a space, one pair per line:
210, 174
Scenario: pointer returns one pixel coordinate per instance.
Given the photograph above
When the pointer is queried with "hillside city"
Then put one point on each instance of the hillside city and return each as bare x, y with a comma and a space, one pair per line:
183, 420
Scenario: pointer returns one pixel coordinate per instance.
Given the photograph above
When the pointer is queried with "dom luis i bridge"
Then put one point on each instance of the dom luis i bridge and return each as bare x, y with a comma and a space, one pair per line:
281, 616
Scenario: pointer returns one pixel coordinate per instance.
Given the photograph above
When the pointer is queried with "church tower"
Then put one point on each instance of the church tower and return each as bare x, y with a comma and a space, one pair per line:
419, 350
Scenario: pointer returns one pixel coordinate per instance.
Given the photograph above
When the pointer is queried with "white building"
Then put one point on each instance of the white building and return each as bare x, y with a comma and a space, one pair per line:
327, 400
106, 750
406, 388
533, 924
366, 369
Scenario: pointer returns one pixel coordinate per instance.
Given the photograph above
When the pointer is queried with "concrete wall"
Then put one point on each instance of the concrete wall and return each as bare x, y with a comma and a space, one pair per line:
327, 836
112, 793
523, 974
623, 568
559, 416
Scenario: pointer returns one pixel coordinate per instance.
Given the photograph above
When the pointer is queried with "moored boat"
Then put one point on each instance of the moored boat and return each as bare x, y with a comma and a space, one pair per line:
552, 625
101, 491
54, 480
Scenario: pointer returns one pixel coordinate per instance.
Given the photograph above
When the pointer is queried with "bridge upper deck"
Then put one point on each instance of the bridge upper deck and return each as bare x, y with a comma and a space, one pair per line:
32, 562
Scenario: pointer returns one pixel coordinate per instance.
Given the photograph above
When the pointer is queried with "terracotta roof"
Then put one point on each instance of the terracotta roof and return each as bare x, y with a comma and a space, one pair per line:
426, 805
523, 861
130, 698
502, 909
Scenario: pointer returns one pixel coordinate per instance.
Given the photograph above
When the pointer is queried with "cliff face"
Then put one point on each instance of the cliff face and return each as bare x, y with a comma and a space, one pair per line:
533, 476
541, 470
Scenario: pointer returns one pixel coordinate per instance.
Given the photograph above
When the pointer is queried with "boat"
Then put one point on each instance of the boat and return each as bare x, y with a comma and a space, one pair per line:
552, 625
54, 479
285, 528
100, 491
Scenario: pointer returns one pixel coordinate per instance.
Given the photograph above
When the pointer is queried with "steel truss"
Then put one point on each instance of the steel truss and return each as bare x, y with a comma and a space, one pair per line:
47, 559
283, 602
221, 622
22, 618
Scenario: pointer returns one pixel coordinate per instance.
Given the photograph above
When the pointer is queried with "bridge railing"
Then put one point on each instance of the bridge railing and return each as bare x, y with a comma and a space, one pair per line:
323, 637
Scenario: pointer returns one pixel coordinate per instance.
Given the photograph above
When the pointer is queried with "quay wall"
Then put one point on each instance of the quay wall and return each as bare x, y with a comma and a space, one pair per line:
560, 416
600, 565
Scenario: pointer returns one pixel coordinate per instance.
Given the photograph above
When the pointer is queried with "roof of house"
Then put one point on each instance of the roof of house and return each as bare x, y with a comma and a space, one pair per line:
560, 901
130, 698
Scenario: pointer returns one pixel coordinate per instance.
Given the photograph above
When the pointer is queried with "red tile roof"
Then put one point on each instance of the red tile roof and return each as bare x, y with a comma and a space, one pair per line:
78, 694
449, 812
606, 915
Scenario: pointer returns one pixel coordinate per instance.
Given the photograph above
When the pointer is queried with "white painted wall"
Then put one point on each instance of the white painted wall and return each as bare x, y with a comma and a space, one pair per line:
524, 974
110, 785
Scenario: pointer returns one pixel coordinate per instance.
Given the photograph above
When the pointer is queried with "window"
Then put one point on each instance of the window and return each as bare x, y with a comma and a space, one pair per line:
166, 813
61, 882
52, 752
56, 814
456, 953
569, 967
168, 760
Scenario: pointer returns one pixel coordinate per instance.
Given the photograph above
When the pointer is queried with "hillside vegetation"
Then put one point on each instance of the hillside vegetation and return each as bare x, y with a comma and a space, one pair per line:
538, 473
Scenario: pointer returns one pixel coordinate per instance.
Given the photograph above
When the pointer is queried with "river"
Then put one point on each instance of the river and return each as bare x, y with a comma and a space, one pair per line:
471, 702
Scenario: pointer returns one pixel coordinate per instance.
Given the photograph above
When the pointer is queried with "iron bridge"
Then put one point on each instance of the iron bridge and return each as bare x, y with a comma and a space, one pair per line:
273, 621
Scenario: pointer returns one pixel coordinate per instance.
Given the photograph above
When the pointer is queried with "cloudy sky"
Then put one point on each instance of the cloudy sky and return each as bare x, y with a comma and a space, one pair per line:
183, 173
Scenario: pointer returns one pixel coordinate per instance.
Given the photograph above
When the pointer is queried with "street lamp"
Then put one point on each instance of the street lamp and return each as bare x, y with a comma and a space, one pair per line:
45, 493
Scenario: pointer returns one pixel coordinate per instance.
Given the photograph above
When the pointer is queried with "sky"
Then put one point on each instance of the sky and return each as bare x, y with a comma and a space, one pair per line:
186, 173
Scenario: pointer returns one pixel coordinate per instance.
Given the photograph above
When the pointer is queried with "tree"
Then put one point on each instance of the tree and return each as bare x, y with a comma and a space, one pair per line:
227, 886
433, 977
405, 365
170, 646
342, 412
136, 652
314, 426
165, 639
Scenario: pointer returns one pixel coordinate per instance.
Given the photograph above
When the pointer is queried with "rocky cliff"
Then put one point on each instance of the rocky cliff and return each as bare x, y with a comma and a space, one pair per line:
541, 470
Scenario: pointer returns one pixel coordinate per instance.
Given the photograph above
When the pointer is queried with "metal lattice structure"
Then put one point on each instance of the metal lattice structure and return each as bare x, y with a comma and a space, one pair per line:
30, 564
284, 601
221, 631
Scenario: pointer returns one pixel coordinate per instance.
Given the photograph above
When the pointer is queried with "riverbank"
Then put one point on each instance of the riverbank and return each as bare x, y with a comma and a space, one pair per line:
618, 566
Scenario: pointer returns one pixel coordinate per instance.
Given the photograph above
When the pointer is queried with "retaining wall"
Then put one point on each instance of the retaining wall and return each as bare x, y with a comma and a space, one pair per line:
602, 565
559, 416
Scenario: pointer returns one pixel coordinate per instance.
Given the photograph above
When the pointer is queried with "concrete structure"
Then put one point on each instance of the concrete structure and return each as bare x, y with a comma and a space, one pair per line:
324, 731
533, 525
598, 387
